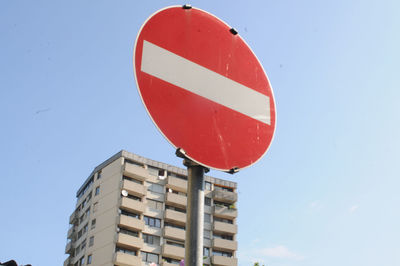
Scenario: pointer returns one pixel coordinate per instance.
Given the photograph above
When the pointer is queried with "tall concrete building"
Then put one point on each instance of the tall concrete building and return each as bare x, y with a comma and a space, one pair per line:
132, 211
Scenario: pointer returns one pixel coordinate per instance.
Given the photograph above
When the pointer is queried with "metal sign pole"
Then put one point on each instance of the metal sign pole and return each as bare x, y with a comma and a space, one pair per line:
194, 214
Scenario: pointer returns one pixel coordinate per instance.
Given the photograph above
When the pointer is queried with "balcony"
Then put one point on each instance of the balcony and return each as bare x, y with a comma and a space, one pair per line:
71, 231
135, 171
124, 259
125, 240
132, 205
134, 188
225, 196
175, 217
224, 244
68, 248
224, 212
73, 217
131, 223
176, 200
67, 261
220, 227
177, 184
174, 233
223, 261
173, 252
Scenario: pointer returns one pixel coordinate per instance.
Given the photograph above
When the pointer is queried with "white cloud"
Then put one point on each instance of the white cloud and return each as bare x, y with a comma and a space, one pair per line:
353, 208
280, 252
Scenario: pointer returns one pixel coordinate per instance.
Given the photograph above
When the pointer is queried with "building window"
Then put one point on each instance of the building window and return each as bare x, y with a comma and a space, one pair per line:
82, 192
79, 233
152, 222
150, 239
89, 196
217, 219
156, 188
157, 205
81, 261
93, 226
89, 259
152, 170
222, 253
128, 232
82, 218
91, 241
208, 185
170, 260
207, 201
206, 252
83, 231
127, 251
130, 214
207, 218
83, 203
97, 191
207, 234
149, 257
167, 207
175, 192
175, 243
161, 174
85, 228
83, 245
134, 197
227, 237
99, 174
222, 204
223, 188
77, 249
178, 176
174, 225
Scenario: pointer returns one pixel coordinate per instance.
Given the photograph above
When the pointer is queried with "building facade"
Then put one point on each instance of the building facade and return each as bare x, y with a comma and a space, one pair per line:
132, 211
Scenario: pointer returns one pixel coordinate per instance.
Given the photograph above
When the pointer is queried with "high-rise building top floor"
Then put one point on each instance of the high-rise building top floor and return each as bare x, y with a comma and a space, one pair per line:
132, 211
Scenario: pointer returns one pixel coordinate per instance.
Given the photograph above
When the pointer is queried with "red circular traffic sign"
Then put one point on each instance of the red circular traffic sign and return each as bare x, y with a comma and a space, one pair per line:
204, 88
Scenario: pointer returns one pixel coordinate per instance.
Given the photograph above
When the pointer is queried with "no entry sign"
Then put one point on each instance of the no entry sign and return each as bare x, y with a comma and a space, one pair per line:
204, 88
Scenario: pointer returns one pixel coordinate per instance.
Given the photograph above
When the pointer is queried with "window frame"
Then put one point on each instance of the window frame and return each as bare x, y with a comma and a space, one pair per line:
89, 259
152, 221
97, 191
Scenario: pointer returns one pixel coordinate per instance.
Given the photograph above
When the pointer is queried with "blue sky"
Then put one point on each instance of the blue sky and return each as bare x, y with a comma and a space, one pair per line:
325, 194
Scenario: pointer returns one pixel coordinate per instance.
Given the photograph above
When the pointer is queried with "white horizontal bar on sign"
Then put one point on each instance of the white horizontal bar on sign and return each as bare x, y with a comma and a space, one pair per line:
197, 79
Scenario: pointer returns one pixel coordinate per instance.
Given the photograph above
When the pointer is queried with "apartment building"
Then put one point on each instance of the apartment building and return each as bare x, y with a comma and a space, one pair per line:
132, 211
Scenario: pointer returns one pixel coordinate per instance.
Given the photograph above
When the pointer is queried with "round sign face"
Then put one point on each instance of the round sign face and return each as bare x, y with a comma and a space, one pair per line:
204, 88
